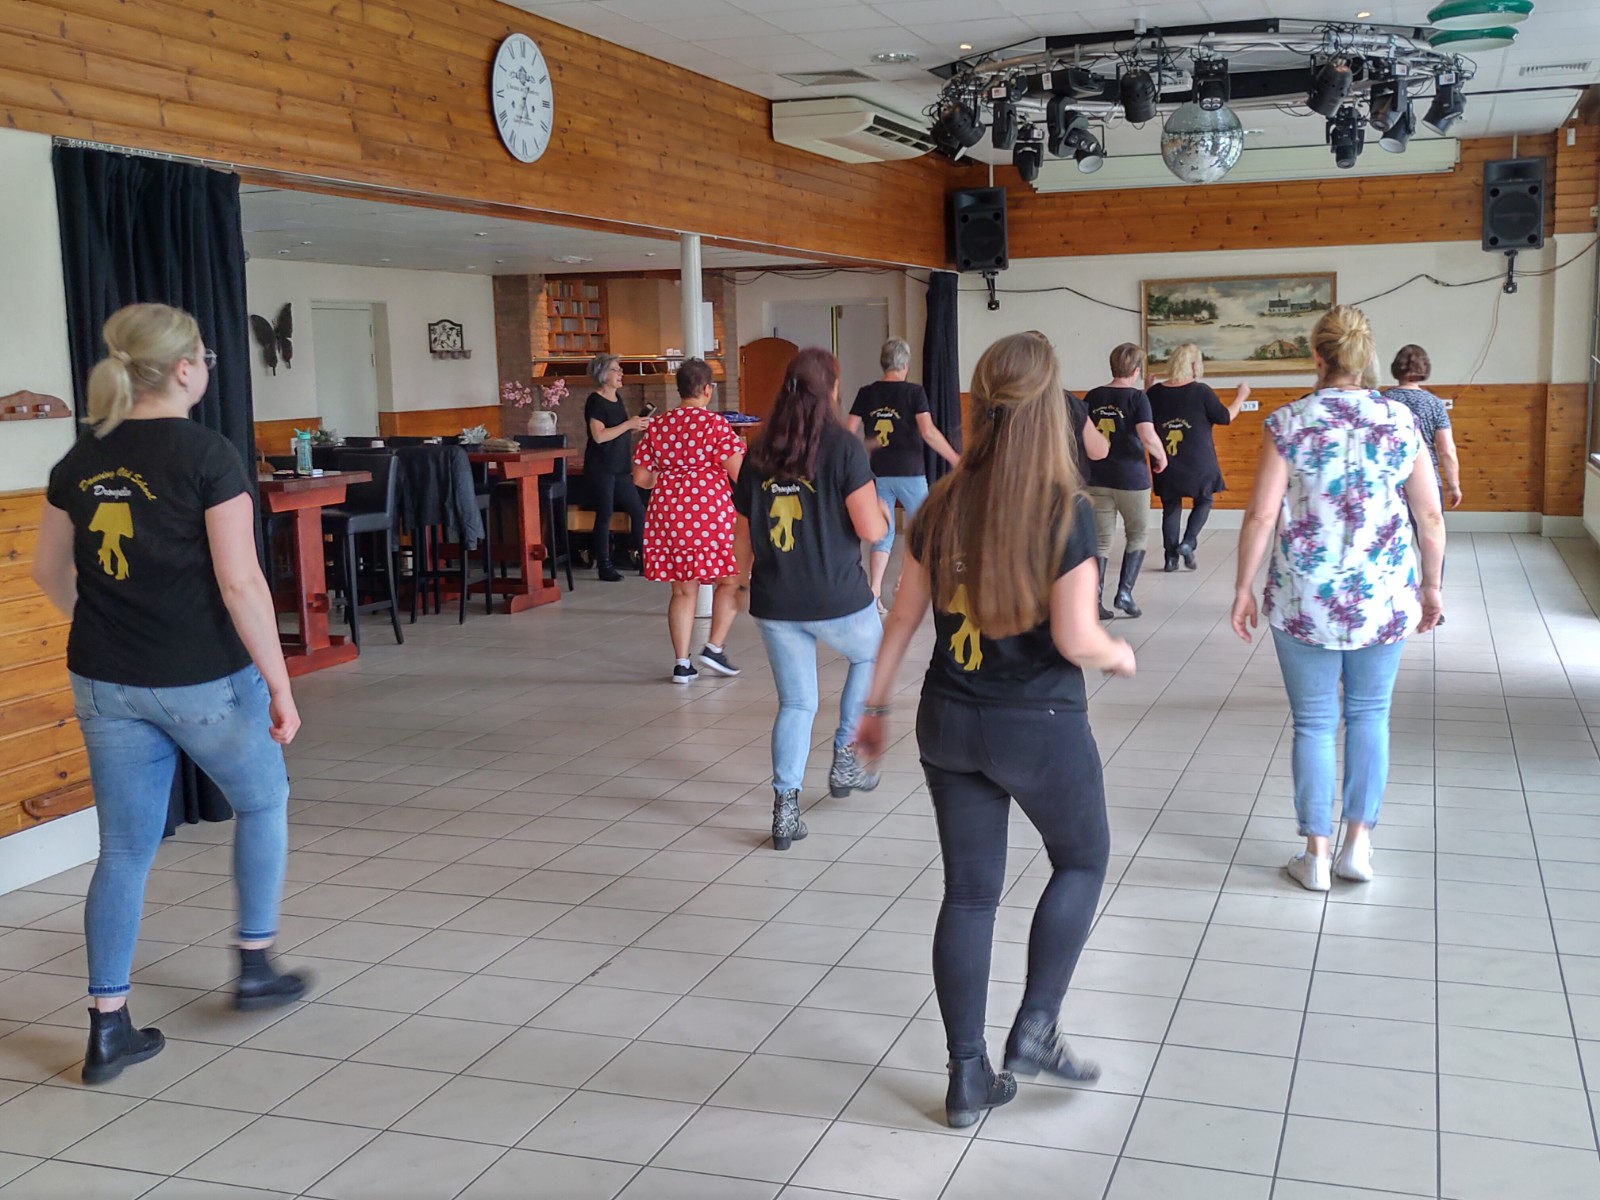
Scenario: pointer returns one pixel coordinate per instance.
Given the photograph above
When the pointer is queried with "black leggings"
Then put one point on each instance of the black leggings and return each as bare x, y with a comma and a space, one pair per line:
977, 759
1172, 514
612, 493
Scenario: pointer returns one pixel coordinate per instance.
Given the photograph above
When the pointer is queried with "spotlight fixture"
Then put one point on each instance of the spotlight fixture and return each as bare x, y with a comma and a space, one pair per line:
957, 129
1346, 137
1069, 134
1479, 14
1383, 98
1138, 93
1028, 152
1400, 129
1330, 84
1003, 133
1212, 88
1449, 103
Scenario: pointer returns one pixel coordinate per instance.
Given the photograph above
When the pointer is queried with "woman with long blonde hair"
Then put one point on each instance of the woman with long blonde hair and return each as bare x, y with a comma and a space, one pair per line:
1004, 551
1184, 411
148, 543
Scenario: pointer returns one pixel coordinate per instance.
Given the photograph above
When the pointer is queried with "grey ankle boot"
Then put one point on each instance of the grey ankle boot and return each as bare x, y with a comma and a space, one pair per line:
849, 774
787, 826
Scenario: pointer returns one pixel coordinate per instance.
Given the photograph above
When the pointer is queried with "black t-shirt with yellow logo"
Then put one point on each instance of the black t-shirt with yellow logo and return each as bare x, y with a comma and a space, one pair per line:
1184, 414
149, 611
888, 410
807, 554
1118, 412
1023, 671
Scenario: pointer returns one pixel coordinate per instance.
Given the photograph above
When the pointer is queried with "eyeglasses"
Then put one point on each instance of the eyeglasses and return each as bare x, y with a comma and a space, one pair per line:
209, 357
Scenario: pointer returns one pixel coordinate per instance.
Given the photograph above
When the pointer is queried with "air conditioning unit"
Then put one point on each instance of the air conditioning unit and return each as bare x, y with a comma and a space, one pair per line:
848, 130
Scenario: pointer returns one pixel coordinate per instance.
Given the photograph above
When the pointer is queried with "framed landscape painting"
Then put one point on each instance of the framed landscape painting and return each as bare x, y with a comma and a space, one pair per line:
1243, 324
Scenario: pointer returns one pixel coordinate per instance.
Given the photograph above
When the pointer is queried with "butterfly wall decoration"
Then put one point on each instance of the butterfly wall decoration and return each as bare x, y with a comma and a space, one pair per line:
276, 338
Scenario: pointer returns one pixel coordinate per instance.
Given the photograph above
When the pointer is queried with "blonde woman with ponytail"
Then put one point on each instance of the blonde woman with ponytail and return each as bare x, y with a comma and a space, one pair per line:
1004, 552
148, 544
1343, 481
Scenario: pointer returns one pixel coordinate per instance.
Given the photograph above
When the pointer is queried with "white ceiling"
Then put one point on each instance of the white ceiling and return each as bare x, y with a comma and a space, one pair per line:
749, 43
309, 227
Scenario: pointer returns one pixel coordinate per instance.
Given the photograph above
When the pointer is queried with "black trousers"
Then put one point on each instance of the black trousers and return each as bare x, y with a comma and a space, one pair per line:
977, 759
1172, 516
615, 493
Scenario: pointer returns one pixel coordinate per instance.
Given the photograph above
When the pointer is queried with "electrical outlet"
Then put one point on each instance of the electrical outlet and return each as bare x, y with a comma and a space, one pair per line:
1251, 406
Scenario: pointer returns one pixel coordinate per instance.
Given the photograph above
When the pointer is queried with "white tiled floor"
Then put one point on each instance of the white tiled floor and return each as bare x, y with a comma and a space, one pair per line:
555, 958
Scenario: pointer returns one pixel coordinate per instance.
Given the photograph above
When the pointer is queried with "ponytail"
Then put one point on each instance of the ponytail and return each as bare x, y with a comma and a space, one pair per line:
145, 342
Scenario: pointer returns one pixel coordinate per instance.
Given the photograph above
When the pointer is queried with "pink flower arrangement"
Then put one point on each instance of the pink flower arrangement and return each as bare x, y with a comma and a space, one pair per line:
554, 394
520, 395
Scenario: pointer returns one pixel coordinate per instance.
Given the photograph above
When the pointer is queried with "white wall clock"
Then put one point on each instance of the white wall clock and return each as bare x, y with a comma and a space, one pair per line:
522, 98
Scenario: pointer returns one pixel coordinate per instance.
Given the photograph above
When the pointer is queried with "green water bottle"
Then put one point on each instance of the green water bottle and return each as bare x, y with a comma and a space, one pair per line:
302, 452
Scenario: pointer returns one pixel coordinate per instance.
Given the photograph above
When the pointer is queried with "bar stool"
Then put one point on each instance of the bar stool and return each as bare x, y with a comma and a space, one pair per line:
434, 479
368, 511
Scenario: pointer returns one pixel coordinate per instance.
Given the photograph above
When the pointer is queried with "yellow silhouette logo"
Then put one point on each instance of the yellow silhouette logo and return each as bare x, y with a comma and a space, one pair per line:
884, 429
965, 644
1108, 427
113, 520
784, 513
1174, 436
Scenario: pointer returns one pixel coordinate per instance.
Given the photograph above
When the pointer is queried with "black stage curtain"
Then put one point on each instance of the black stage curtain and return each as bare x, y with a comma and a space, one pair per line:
143, 230
941, 367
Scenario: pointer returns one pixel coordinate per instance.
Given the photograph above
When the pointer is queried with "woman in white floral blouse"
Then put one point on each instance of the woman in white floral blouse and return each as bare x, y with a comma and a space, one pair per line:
1342, 476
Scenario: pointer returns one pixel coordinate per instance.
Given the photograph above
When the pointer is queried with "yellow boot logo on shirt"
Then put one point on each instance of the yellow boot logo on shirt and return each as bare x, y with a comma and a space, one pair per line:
1107, 427
884, 429
966, 645
1174, 436
113, 520
785, 511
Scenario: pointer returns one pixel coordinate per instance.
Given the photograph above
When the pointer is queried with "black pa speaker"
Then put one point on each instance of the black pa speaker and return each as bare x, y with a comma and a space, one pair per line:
1513, 204
977, 226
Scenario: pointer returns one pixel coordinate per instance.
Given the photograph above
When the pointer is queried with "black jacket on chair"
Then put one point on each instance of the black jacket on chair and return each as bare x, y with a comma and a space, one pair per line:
435, 488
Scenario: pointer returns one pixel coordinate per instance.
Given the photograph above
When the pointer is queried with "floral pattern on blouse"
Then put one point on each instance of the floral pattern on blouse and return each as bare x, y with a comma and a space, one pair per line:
1344, 574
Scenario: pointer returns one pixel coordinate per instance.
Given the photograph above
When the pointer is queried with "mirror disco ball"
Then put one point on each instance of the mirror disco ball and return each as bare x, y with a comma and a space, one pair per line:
1200, 146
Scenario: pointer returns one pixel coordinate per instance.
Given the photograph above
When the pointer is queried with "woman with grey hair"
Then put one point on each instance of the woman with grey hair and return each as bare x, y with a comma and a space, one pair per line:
608, 462
894, 415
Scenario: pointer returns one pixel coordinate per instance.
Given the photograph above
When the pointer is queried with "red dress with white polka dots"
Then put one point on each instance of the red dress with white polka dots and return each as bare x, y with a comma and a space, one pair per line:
688, 528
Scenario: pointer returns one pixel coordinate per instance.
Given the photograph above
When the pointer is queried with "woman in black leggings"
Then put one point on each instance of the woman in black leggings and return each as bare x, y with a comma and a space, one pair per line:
608, 462
1004, 708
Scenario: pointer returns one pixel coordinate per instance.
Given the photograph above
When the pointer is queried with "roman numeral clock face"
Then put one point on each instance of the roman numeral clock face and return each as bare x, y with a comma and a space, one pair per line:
522, 97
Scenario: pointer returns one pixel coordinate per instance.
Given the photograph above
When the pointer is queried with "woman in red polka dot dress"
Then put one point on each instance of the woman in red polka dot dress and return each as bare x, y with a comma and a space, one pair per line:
687, 460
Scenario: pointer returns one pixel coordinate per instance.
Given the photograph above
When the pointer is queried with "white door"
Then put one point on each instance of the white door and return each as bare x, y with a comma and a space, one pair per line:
859, 333
346, 367
804, 322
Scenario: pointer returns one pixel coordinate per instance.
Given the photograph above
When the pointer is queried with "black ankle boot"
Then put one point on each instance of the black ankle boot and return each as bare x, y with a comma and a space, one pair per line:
609, 574
1187, 551
1132, 560
1035, 1045
261, 986
787, 827
1099, 596
1171, 563
114, 1043
974, 1086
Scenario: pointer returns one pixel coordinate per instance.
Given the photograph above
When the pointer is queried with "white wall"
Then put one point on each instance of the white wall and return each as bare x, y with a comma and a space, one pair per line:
34, 356
905, 295
410, 300
1452, 323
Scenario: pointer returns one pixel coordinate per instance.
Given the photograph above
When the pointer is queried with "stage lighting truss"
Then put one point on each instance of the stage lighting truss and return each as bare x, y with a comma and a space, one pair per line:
1379, 72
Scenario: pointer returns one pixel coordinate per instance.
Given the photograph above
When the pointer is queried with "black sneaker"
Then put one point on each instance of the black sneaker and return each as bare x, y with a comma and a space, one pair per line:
684, 674
717, 661
609, 574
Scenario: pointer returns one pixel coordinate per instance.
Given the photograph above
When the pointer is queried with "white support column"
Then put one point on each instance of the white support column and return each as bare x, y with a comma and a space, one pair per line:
690, 292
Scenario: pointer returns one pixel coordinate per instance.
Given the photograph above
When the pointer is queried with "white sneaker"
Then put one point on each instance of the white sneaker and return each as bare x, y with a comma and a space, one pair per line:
1309, 872
1355, 863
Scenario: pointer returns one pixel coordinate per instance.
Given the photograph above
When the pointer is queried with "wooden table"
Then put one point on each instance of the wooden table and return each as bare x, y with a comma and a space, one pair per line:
523, 468
311, 648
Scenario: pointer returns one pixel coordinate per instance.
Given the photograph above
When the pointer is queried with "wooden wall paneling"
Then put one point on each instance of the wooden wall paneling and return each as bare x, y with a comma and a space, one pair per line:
439, 422
396, 95
273, 437
43, 768
1324, 212
1564, 429
1577, 181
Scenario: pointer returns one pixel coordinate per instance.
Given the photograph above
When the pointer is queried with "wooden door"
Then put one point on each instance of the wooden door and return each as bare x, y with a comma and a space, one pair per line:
762, 364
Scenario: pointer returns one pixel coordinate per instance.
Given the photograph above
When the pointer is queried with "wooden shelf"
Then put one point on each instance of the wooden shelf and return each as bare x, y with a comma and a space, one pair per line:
577, 316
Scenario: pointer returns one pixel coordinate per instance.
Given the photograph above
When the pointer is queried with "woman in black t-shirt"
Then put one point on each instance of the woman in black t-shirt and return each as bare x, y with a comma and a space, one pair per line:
806, 501
1119, 484
1004, 550
1183, 410
148, 542
608, 462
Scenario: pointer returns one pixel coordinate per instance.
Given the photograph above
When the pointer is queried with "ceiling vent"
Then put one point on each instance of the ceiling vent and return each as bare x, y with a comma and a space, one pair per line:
842, 78
1548, 70
848, 130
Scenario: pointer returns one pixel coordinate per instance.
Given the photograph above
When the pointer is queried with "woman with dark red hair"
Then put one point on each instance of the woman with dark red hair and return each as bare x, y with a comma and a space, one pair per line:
806, 501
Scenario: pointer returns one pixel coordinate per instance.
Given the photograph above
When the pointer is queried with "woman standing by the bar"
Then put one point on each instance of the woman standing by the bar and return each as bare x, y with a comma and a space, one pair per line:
608, 462
1005, 552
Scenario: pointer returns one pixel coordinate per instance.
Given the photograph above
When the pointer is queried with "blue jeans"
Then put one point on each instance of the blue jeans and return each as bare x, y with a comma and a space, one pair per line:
133, 736
910, 491
792, 650
1312, 676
